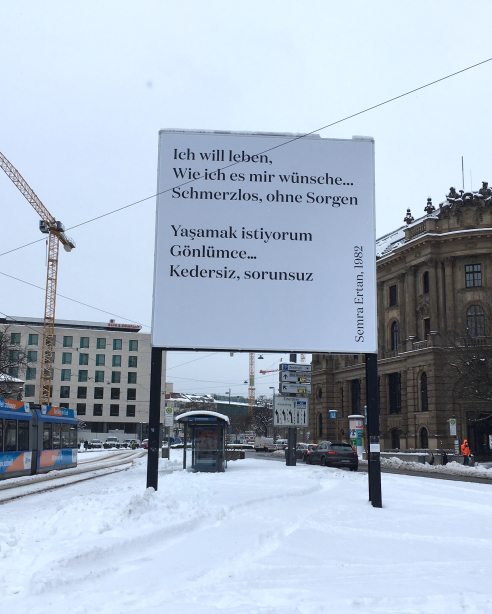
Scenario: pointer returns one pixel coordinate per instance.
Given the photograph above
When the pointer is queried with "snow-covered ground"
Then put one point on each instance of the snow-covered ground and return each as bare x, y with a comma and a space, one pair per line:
261, 538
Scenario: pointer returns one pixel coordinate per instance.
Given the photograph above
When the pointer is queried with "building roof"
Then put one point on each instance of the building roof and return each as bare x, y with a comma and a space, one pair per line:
80, 324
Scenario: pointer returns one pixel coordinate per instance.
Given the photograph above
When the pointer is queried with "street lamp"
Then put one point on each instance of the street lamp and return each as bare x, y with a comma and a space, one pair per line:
273, 395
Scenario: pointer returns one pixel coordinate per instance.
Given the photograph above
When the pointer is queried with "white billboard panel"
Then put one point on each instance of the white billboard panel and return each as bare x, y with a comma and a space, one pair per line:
246, 225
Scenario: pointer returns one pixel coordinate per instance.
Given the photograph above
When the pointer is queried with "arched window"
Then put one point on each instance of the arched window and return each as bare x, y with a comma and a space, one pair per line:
320, 393
320, 425
475, 321
394, 336
425, 282
395, 439
424, 398
424, 438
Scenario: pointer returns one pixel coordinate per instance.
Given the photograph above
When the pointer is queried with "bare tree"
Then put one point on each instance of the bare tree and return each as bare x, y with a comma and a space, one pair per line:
263, 416
13, 362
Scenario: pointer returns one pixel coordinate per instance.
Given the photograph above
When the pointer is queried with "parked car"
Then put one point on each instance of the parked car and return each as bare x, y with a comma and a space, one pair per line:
95, 443
126, 443
334, 454
145, 444
303, 449
112, 442
281, 444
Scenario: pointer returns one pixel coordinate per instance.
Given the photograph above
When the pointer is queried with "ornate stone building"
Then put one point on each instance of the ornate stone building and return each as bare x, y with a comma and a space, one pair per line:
434, 281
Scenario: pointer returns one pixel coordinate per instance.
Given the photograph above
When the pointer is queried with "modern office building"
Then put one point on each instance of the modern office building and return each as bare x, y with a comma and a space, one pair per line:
101, 369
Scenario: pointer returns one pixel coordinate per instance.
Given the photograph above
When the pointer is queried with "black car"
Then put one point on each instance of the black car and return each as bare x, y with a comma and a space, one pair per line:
334, 454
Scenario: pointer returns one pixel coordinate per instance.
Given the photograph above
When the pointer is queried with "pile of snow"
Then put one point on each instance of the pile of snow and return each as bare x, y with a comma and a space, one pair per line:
452, 468
261, 538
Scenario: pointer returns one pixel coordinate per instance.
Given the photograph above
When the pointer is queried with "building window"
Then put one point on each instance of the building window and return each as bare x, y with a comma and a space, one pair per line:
394, 336
29, 390
132, 378
424, 398
131, 394
83, 359
99, 376
101, 343
425, 282
98, 393
130, 411
66, 375
424, 438
392, 296
98, 409
133, 346
66, 358
117, 343
15, 338
82, 392
395, 439
320, 425
427, 328
355, 390
14, 355
65, 405
67, 342
132, 362
115, 393
115, 377
14, 372
475, 321
30, 373
32, 356
473, 275
64, 392
32, 340
114, 410
117, 361
100, 360
394, 385
83, 375
81, 407
84, 342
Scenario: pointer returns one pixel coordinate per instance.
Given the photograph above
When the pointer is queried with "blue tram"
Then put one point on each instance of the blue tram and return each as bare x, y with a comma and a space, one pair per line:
36, 438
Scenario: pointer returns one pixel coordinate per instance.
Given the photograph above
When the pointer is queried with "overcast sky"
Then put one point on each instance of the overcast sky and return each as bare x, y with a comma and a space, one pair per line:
86, 86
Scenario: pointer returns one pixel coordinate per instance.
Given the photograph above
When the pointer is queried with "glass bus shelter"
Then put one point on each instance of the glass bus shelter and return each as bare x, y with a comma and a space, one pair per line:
207, 432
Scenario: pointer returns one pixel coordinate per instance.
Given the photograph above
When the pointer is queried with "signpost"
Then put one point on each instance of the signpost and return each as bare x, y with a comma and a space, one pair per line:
276, 222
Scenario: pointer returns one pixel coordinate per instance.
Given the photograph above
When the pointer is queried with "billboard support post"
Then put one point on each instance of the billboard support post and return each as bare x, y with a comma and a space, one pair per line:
374, 468
291, 459
154, 417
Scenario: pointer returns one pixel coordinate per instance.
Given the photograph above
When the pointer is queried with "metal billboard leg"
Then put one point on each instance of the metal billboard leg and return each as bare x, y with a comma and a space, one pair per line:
372, 390
154, 417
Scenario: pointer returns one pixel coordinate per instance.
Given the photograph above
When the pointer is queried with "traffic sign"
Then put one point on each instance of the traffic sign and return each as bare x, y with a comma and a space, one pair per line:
302, 377
169, 416
293, 366
288, 388
290, 411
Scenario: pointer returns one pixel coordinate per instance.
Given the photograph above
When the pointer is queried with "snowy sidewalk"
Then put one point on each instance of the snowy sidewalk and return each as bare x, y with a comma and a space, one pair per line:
261, 538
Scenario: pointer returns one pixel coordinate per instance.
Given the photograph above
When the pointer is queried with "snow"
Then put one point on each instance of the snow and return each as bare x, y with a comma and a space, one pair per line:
260, 538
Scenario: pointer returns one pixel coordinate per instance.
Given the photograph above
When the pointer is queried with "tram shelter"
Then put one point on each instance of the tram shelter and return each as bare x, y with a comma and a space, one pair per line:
207, 432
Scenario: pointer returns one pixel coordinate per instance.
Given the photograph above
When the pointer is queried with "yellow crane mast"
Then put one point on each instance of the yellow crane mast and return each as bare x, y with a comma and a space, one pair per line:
56, 232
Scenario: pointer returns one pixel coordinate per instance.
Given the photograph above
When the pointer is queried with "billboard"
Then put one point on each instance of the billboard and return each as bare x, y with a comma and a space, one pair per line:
264, 243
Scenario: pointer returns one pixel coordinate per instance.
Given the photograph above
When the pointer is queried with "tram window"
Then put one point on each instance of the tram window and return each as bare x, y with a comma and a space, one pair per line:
65, 438
10, 435
47, 436
23, 435
56, 437
73, 436
1, 435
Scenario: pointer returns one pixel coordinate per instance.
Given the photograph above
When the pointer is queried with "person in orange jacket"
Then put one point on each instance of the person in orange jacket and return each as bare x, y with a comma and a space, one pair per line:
465, 450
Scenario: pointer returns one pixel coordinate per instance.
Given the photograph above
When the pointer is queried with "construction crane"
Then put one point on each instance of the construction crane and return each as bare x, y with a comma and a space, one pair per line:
268, 371
56, 232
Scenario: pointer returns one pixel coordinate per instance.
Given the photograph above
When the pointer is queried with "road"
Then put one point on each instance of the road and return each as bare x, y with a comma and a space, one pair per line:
409, 472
